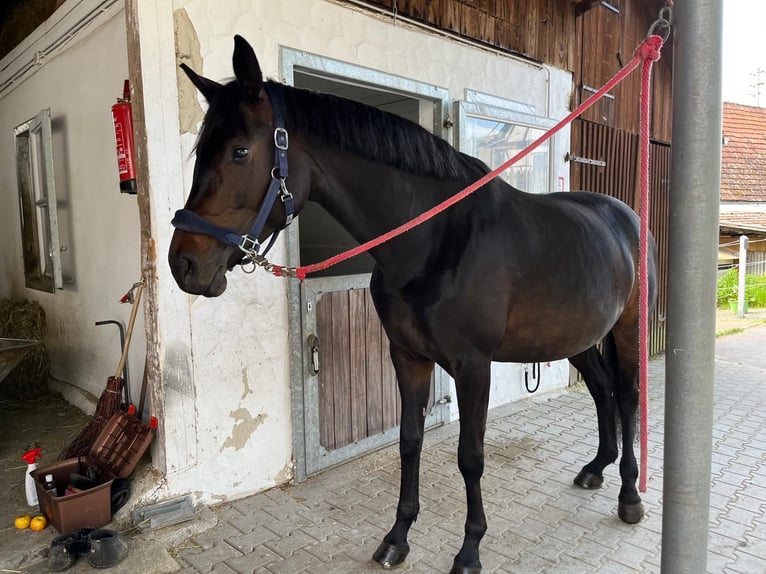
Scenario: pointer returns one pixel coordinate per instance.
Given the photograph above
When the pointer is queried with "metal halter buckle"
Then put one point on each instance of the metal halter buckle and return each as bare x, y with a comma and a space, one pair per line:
249, 245
280, 136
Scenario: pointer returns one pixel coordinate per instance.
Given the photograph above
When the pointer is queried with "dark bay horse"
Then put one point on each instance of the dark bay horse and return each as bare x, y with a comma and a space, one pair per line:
501, 276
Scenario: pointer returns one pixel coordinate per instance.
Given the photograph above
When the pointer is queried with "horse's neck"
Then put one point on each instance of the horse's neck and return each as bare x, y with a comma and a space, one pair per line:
369, 199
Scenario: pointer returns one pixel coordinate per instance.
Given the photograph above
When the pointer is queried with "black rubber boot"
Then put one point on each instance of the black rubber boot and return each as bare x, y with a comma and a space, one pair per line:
107, 548
61, 554
67, 548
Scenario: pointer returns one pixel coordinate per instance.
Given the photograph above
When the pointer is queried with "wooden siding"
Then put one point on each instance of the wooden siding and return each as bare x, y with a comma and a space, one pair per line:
617, 148
541, 30
358, 395
619, 178
606, 42
659, 208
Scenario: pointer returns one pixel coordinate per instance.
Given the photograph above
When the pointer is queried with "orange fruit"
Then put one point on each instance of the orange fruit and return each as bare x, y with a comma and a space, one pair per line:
22, 522
38, 523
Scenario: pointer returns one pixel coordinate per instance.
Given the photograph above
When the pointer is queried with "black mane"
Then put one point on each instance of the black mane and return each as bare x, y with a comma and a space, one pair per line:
353, 127
375, 135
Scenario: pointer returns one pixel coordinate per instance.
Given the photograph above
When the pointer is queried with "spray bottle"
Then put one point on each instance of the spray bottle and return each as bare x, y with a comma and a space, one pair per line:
30, 457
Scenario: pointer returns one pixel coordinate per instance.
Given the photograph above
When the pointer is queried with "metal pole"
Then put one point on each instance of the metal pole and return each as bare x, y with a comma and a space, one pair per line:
694, 199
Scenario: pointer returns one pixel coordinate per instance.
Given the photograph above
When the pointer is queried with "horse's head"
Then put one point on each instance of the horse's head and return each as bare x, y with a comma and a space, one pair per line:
240, 169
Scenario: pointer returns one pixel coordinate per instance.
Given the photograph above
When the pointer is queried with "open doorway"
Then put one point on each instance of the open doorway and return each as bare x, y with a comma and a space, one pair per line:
347, 401
320, 235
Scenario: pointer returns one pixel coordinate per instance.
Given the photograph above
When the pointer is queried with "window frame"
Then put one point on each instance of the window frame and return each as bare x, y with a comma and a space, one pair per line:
38, 203
511, 113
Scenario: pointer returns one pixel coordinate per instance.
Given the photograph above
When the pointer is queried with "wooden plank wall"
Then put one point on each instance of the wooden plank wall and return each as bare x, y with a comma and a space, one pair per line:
617, 148
358, 395
541, 30
659, 208
619, 178
606, 42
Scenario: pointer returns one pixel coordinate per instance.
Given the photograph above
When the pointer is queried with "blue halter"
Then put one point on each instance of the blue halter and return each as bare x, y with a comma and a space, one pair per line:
187, 220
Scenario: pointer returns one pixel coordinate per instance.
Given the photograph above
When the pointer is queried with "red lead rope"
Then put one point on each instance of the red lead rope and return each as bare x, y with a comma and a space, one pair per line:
648, 53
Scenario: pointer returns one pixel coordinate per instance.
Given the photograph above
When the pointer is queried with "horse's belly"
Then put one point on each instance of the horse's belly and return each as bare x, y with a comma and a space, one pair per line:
548, 336
537, 352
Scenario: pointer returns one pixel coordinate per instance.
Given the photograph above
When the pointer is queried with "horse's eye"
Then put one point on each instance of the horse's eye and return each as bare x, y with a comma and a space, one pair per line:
240, 152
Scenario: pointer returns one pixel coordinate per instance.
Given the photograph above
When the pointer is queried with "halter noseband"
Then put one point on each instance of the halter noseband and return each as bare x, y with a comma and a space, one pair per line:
187, 220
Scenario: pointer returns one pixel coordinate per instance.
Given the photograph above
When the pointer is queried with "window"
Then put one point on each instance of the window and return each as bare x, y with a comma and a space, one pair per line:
494, 135
37, 203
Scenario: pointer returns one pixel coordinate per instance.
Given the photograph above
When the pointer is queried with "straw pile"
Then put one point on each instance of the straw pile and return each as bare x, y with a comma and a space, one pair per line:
23, 319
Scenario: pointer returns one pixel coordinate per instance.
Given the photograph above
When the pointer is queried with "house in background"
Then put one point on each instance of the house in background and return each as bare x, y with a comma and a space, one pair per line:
743, 185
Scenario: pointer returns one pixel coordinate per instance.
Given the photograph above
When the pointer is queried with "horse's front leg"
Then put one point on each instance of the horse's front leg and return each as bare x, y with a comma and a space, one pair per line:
414, 378
472, 379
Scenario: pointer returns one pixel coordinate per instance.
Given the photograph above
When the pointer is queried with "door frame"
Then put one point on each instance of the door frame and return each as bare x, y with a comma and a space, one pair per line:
300, 381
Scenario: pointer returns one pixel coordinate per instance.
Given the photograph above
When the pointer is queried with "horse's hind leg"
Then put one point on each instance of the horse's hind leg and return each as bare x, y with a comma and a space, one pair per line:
414, 377
599, 379
629, 508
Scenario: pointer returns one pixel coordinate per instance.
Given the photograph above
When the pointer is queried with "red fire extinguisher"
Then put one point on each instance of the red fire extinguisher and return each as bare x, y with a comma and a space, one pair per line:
123, 134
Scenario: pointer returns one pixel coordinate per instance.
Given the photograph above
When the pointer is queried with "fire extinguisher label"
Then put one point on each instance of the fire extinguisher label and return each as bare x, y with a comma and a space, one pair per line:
123, 159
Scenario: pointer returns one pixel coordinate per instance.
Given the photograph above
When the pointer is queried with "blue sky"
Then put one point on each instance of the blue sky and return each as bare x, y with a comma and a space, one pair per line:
744, 50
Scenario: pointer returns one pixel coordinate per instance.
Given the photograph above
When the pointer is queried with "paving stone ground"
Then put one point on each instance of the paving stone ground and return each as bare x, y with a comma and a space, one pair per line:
539, 522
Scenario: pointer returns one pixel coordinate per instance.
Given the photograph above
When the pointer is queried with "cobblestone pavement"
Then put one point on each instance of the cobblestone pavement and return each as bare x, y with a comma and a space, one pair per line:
538, 520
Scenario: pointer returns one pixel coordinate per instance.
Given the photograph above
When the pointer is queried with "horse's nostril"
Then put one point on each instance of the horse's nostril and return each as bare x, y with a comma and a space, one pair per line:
182, 266
187, 264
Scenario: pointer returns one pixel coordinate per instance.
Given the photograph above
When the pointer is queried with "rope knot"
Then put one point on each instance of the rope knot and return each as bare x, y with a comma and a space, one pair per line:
650, 48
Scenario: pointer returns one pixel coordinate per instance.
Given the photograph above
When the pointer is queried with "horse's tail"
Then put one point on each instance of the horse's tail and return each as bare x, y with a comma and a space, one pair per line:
611, 358
609, 352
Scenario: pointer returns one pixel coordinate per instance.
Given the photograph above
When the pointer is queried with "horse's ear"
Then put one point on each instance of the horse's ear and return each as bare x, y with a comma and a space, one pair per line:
246, 68
208, 88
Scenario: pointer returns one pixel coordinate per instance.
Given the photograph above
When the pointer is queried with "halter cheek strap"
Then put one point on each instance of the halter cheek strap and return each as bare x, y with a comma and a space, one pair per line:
187, 220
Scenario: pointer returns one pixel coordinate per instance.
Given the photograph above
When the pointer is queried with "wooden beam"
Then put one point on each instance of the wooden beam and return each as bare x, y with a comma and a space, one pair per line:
152, 366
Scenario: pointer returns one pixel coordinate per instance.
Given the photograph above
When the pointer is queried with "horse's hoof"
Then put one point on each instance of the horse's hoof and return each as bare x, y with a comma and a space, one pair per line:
586, 479
391, 555
630, 513
458, 569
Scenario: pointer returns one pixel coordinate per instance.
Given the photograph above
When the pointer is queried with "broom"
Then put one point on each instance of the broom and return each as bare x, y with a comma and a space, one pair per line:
111, 398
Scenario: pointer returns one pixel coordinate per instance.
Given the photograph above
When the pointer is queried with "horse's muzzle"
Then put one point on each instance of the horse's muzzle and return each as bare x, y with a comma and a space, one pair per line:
193, 278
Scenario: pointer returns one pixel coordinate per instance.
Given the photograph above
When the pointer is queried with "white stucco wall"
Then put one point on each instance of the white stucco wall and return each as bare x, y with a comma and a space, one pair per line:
234, 435
99, 226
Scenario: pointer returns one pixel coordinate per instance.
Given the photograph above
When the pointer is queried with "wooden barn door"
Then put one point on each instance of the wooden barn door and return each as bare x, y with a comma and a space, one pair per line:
351, 390
606, 161
659, 193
